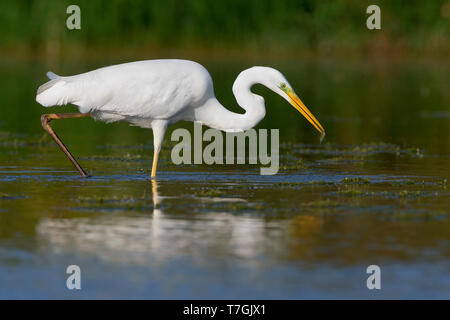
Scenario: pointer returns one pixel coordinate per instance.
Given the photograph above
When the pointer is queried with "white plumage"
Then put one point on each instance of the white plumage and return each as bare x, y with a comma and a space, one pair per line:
155, 93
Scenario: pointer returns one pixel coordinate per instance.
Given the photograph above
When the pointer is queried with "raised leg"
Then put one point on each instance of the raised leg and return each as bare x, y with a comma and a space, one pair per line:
45, 120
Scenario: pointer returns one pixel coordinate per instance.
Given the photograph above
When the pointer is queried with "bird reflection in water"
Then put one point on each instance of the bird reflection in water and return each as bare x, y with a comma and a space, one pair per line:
174, 229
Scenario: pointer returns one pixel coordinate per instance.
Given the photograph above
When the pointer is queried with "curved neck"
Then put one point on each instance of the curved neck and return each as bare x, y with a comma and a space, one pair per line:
218, 117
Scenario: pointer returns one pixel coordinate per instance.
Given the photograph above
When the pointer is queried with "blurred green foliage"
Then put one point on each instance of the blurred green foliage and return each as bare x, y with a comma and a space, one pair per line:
316, 25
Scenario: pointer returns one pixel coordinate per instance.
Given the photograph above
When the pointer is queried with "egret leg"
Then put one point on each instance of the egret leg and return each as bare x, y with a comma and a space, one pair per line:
159, 129
45, 120
155, 163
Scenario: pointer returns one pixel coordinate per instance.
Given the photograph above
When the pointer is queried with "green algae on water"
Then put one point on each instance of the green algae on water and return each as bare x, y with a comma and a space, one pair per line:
210, 193
355, 180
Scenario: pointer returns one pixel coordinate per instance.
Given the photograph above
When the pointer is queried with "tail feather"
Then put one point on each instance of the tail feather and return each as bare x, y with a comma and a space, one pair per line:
52, 75
53, 92
46, 86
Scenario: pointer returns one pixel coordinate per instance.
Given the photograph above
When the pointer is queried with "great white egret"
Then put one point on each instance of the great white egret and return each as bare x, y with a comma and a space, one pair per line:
156, 93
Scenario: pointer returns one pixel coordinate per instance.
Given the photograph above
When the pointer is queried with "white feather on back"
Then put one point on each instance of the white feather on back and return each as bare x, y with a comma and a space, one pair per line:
152, 89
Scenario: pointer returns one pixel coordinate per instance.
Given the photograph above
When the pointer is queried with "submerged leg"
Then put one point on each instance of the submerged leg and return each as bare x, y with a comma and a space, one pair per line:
45, 120
159, 129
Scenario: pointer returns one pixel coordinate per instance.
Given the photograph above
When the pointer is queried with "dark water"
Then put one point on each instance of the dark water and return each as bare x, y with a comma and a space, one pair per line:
375, 192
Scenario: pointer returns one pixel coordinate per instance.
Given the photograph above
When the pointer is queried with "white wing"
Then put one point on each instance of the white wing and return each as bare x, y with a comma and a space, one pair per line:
153, 89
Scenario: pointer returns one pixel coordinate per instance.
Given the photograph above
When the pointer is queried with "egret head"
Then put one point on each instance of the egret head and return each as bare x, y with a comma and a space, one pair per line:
275, 81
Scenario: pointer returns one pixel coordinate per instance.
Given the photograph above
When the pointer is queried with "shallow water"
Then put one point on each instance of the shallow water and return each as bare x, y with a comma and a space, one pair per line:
375, 192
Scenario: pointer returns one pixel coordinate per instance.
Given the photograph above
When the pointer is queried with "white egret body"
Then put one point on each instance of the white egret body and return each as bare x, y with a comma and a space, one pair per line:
156, 93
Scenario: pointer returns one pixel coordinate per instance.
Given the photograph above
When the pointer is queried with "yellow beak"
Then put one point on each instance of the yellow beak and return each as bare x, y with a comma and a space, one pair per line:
300, 106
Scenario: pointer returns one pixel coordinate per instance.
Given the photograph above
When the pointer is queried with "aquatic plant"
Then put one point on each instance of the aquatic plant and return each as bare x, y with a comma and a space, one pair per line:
355, 180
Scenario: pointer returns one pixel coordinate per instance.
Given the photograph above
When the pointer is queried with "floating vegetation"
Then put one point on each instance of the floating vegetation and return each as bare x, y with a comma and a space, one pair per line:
296, 184
113, 203
386, 194
330, 145
117, 158
355, 180
236, 206
322, 204
335, 159
240, 206
339, 153
110, 199
7, 196
406, 193
377, 147
300, 164
403, 183
420, 215
351, 192
210, 193
383, 147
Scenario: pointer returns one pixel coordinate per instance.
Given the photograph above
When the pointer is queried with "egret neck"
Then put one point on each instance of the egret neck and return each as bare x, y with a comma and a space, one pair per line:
253, 104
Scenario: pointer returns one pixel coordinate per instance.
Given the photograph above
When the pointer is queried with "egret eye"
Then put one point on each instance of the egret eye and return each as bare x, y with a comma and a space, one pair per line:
283, 86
